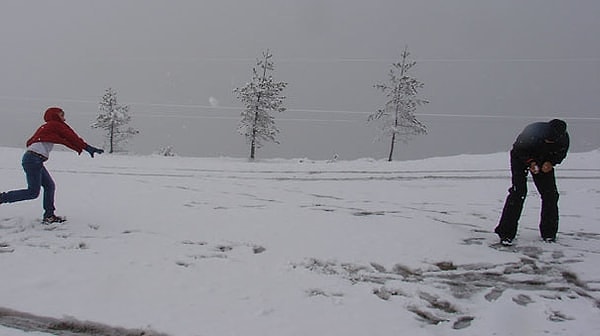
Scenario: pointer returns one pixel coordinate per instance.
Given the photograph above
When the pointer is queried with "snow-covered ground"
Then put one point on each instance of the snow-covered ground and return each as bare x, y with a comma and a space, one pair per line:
222, 246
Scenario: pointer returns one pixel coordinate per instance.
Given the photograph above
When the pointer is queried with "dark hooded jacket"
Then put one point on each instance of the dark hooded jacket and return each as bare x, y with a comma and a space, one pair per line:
541, 142
55, 130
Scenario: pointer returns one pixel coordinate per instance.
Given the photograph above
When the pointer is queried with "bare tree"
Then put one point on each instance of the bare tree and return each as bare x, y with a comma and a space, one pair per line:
261, 96
114, 119
398, 114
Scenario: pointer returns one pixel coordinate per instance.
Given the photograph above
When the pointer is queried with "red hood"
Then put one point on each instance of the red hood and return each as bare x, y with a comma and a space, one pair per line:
52, 114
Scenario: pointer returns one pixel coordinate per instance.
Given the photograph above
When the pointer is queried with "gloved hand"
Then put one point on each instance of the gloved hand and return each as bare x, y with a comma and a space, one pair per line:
92, 150
547, 167
534, 168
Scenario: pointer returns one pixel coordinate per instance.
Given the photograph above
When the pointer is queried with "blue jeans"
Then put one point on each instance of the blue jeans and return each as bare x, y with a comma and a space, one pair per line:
37, 177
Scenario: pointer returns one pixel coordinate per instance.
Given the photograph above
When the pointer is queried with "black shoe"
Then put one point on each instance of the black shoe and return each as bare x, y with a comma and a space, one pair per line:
549, 240
506, 241
53, 219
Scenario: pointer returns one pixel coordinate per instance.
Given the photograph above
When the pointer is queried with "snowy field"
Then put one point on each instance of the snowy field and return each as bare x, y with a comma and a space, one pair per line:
222, 246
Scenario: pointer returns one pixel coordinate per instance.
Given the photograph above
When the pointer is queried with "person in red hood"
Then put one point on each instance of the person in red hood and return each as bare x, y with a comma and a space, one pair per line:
54, 131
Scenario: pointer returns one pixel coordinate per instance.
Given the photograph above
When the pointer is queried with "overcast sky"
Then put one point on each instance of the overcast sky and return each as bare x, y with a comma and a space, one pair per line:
489, 68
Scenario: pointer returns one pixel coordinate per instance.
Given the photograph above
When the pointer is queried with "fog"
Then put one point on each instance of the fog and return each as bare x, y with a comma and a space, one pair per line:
489, 68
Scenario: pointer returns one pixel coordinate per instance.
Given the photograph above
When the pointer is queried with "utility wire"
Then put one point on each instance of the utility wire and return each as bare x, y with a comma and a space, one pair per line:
355, 59
176, 115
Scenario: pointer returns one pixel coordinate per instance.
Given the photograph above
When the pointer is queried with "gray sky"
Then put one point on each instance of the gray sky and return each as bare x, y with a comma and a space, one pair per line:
489, 68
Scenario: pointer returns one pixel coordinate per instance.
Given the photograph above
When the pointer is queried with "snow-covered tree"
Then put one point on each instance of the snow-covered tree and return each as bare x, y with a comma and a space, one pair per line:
260, 97
114, 119
166, 151
397, 117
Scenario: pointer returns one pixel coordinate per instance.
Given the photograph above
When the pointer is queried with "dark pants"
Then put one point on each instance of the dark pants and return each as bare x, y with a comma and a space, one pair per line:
546, 186
37, 177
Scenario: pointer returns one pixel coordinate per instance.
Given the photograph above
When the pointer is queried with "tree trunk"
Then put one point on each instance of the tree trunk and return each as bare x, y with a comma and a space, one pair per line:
253, 143
112, 137
392, 147
252, 150
253, 139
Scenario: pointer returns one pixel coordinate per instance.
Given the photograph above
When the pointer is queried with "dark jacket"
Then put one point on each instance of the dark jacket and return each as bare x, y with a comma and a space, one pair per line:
541, 142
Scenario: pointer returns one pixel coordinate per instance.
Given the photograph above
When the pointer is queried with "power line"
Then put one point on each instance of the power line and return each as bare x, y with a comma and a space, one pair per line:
357, 59
513, 60
298, 110
436, 115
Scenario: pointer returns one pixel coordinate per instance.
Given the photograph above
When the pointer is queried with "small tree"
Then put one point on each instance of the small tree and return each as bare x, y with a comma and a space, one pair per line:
260, 97
398, 114
114, 119
166, 151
